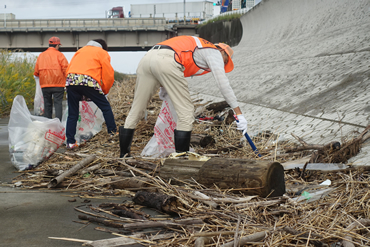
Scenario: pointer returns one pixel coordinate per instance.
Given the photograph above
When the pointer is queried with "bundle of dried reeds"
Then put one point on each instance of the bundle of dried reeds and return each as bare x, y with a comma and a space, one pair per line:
309, 214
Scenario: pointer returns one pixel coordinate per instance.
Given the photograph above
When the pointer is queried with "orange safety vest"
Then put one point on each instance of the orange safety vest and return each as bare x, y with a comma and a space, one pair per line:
95, 62
51, 66
184, 46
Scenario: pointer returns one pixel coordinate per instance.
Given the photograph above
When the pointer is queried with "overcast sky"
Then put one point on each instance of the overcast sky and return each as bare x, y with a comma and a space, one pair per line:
125, 62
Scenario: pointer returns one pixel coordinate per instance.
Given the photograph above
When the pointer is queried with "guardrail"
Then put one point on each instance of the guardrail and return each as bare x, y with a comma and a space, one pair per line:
82, 23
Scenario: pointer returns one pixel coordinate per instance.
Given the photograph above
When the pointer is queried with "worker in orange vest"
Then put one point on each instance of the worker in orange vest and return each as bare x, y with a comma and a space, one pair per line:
51, 66
90, 77
167, 65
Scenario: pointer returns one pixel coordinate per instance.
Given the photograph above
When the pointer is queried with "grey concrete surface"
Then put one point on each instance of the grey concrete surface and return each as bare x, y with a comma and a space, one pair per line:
30, 217
302, 67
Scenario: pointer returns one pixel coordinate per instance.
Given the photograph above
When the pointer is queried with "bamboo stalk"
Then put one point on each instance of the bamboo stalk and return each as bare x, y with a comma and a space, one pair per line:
55, 181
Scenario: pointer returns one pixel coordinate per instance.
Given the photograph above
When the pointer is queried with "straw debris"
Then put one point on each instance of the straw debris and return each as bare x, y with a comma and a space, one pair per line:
186, 213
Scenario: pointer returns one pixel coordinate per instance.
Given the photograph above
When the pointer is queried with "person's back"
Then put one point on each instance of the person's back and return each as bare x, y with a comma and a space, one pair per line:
95, 62
51, 72
51, 66
89, 77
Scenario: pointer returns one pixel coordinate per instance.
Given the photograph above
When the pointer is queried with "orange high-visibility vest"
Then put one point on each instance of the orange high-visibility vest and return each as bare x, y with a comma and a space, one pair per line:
95, 62
51, 66
184, 46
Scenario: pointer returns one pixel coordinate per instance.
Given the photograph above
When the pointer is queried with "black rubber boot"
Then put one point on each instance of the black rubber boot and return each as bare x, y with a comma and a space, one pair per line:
125, 139
182, 140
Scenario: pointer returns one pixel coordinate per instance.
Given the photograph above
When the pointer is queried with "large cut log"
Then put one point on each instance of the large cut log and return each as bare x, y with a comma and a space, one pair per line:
178, 169
252, 177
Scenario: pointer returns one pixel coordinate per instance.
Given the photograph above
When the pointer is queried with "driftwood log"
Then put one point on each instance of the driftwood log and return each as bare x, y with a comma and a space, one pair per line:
330, 147
128, 183
101, 221
305, 235
163, 223
109, 172
251, 177
142, 164
201, 140
180, 170
347, 240
143, 224
162, 202
202, 241
217, 107
130, 212
255, 237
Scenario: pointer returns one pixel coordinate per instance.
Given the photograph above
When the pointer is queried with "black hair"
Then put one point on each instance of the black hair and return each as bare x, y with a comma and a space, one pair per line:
102, 43
52, 45
218, 47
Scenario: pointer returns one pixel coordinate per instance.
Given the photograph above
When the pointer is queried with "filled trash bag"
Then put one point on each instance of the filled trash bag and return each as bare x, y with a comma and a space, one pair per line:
162, 143
90, 121
32, 139
38, 103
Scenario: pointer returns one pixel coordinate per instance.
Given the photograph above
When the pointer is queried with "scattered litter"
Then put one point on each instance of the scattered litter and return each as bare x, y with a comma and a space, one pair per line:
318, 206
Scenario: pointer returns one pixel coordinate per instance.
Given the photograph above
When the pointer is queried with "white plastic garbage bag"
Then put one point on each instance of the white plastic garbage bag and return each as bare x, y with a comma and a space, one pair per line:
162, 143
90, 121
32, 139
38, 103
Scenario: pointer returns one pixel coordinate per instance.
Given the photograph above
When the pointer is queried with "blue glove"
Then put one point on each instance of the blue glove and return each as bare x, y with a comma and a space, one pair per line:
241, 123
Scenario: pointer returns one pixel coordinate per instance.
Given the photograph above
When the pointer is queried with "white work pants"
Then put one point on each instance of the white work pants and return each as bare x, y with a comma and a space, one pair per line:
159, 68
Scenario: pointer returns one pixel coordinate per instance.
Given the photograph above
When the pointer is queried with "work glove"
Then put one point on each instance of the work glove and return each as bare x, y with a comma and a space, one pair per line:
162, 93
241, 123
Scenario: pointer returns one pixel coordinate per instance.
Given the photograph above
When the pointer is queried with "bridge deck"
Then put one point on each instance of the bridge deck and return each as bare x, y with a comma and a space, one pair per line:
122, 34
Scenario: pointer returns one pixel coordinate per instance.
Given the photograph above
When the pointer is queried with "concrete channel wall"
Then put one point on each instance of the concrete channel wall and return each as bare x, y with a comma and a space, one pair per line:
302, 67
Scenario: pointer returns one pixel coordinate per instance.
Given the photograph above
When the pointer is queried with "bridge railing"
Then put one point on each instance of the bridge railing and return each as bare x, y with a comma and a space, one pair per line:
68, 24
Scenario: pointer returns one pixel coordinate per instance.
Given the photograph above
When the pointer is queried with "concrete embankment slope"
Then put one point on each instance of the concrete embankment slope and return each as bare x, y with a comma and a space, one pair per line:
302, 67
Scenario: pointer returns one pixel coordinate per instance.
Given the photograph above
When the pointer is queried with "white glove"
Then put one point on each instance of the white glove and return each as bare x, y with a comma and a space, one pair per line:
36, 77
241, 123
162, 93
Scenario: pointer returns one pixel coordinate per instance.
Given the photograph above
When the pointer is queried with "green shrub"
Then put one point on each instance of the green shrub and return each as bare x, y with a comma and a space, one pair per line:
16, 78
228, 17
120, 77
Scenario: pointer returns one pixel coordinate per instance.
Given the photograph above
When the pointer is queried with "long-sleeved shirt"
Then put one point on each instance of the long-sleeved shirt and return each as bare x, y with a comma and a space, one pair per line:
51, 66
93, 61
211, 60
